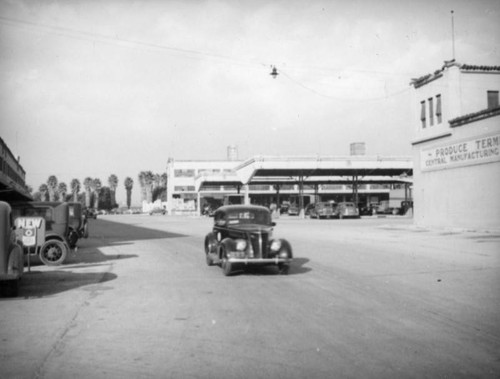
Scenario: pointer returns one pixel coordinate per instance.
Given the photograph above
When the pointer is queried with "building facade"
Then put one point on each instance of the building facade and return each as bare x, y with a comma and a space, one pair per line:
456, 147
192, 185
12, 176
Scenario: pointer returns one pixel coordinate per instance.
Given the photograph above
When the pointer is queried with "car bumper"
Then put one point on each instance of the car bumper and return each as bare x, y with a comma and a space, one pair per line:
260, 261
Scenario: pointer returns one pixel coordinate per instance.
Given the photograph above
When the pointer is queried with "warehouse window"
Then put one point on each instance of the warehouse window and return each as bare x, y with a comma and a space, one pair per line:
439, 114
431, 111
422, 113
183, 173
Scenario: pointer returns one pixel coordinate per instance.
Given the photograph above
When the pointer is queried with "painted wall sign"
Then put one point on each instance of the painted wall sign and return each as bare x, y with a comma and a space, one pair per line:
479, 150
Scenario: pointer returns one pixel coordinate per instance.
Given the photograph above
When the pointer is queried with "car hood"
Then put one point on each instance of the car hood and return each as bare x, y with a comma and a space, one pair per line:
252, 228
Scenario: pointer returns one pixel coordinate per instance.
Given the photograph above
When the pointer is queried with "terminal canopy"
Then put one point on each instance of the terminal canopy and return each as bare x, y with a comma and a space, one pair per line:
314, 171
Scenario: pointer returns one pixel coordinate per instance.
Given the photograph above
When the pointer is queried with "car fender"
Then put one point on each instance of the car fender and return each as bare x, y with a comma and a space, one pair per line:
285, 246
15, 264
228, 243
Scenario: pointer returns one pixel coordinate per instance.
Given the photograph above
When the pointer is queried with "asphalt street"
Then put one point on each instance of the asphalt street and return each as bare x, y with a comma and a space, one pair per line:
368, 298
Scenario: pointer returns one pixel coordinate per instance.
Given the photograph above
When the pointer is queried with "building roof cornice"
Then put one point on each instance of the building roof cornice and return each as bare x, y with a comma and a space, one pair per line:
425, 79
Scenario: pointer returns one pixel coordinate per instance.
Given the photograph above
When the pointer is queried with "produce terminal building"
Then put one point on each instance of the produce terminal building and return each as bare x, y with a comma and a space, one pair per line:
275, 179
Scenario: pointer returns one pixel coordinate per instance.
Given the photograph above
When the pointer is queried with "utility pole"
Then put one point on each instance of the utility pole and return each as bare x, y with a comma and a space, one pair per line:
453, 34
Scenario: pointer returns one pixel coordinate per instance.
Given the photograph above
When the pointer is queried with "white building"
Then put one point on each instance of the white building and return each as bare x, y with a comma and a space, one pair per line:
456, 147
266, 180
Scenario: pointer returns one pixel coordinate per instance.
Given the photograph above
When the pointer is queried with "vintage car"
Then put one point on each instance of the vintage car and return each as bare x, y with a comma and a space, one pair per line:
293, 210
323, 210
242, 237
158, 210
347, 209
55, 247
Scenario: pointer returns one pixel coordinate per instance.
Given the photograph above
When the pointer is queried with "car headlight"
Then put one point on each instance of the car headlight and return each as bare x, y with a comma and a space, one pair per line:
275, 245
241, 245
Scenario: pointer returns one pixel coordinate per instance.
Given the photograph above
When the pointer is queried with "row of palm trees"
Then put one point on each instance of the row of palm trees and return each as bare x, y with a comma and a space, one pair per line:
153, 186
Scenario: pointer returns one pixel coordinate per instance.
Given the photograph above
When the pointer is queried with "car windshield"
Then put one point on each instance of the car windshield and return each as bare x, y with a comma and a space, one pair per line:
248, 217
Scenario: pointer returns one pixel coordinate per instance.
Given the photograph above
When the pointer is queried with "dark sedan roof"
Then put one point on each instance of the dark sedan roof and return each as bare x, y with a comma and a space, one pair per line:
240, 208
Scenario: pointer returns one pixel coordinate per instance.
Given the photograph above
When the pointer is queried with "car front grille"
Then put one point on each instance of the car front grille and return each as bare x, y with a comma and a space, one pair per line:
259, 243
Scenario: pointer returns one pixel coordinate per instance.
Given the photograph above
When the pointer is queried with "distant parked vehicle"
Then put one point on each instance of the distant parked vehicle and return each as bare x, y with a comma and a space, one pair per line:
158, 210
347, 209
323, 210
293, 210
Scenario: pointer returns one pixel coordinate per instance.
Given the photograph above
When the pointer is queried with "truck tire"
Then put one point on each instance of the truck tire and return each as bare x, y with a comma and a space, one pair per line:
53, 253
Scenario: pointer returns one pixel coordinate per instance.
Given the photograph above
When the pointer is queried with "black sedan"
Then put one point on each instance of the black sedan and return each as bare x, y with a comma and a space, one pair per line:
242, 237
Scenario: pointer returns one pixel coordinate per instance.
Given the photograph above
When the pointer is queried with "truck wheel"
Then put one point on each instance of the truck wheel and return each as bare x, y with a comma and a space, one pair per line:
53, 253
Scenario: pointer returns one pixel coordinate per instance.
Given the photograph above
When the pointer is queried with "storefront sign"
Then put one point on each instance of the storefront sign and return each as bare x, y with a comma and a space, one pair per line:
479, 150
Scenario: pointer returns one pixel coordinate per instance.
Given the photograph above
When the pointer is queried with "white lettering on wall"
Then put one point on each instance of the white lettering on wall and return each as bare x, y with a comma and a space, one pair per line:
474, 151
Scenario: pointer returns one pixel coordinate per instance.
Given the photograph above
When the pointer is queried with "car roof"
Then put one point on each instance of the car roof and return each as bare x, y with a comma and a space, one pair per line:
240, 208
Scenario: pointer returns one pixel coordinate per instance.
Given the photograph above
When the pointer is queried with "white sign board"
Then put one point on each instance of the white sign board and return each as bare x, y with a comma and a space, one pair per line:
30, 231
479, 150
29, 237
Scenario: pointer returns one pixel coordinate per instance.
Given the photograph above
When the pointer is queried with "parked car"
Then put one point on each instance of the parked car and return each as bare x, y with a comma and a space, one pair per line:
55, 247
293, 210
284, 207
242, 237
323, 210
347, 209
158, 210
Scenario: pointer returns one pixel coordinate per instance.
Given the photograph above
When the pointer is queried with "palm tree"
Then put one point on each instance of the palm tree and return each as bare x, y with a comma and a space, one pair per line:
148, 184
87, 183
96, 188
113, 184
43, 192
75, 189
163, 183
62, 189
52, 187
142, 183
129, 183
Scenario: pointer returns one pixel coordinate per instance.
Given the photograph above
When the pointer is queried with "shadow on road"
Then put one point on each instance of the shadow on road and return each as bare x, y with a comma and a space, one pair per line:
119, 234
38, 284
297, 267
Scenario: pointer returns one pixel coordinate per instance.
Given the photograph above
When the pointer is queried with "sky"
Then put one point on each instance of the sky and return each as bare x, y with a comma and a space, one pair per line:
94, 88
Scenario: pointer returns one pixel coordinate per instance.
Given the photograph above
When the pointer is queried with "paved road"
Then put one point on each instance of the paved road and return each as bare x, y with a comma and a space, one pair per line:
371, 298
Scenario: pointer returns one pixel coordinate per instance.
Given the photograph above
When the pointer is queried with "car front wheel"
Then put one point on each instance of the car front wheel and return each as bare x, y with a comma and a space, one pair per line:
53, 253
225, 264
